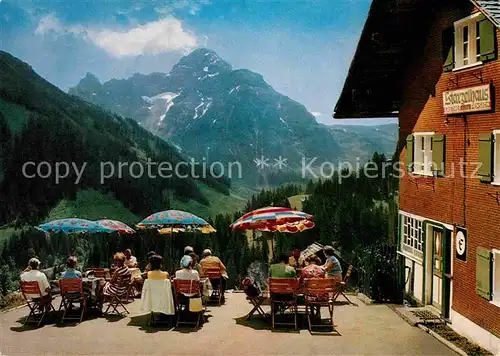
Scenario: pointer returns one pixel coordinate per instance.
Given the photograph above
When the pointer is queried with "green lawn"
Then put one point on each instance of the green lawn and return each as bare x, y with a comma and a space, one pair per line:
93, 205
219, 203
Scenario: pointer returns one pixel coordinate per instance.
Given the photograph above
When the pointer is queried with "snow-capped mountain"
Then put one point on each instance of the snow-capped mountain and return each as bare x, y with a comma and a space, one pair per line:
215, 112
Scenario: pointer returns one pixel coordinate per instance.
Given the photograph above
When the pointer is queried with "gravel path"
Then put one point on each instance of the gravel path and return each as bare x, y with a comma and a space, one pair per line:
365, 330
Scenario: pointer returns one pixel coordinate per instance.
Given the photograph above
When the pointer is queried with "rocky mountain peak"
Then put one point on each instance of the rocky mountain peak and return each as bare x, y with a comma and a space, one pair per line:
202, 60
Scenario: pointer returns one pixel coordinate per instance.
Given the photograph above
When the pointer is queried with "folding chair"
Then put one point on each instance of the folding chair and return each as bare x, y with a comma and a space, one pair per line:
117, 300
71, 293
342, 286
99, 272
215, 276
318, 293
35, 304
183, 287
283, 292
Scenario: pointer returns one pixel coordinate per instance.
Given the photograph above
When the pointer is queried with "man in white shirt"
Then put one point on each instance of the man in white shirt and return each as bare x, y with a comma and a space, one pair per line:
34, 275
130, 261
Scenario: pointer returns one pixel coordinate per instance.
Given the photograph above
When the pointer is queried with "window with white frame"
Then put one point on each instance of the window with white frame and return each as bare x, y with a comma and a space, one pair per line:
496, 278
412, 241
423, 153
496, 157
468, 41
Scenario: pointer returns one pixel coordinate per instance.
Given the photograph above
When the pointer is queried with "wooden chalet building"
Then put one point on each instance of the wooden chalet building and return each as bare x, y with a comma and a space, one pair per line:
434, 64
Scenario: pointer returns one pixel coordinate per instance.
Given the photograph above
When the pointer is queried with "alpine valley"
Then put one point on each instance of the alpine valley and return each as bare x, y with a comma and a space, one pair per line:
212, 112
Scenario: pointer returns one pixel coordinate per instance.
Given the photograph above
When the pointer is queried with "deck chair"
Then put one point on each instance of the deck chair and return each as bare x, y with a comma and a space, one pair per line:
319, 292
183, 287
215, 276
116, 301
71, 294
33, 297
342, 286
98, 272
283, 293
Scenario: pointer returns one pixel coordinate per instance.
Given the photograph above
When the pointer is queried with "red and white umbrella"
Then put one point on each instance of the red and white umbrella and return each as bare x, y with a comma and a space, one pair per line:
274, 219
117, 226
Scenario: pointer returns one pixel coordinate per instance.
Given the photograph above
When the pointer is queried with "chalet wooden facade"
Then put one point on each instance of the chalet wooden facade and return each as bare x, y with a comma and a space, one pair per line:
435, 65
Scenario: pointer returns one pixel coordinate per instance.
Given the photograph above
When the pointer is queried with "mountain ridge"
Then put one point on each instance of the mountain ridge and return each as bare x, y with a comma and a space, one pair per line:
215, 112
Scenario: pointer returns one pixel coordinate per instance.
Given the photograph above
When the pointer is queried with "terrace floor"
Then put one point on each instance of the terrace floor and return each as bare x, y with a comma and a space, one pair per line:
364, 329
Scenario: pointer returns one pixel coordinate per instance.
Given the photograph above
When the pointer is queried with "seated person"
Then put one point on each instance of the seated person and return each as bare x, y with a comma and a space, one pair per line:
187, 251
196, 266
296, 260
71, 271
282, 269
120, 278
332, 266
210, 261
34, 275
148, 266
187, 273
313, 270
156, 273
130, 261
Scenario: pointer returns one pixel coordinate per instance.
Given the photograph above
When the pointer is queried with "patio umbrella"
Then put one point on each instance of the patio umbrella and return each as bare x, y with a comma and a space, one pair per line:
115, 225
171, 218
273, 219
73, 225
174, 221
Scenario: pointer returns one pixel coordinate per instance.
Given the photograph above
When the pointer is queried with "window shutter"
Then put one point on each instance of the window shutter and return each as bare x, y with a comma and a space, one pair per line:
483, 273
438, 154
485, 159
448, 49
409, 153
487, 37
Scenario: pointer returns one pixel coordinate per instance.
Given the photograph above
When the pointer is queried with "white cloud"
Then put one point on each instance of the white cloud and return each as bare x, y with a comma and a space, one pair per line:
164, 35
49, 23
316, 113
194, 6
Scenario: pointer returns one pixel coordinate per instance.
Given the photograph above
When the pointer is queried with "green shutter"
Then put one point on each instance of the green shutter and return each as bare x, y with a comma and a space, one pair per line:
487, 39
485, 157
438, 154
483, 273
448, 41
409, 153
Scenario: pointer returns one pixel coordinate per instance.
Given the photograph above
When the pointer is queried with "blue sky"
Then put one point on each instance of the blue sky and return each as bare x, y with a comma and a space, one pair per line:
303, 48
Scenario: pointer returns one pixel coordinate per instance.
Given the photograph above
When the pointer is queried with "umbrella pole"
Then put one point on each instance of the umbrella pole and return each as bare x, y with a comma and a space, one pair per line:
172, 248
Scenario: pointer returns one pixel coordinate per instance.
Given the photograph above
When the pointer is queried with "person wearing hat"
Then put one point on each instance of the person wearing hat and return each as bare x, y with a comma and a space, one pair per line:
188, 250
210, 261
32, 274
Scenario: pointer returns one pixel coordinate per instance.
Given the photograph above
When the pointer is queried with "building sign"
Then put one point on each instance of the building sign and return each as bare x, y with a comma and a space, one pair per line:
461, 243
466, 100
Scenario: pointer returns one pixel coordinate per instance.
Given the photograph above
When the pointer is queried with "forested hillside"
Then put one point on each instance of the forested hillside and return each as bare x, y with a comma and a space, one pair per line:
40, 123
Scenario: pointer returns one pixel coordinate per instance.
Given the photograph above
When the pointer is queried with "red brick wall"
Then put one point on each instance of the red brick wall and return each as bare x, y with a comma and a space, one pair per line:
442, 199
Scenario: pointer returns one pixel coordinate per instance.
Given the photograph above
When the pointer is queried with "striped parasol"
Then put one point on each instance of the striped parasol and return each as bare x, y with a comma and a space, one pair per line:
117, 226
274, 219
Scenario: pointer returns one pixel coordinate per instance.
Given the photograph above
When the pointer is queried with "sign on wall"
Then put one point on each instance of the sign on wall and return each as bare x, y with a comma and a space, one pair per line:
473, 99
461, 243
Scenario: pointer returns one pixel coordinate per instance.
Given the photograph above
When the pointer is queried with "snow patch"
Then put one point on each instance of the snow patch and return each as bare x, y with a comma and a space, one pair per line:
205, 69
206, 108
207, 105
208, 76
237, 88
160, 104
196, 109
